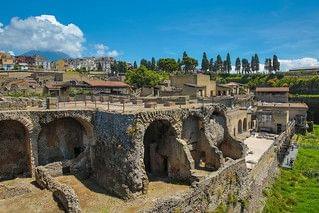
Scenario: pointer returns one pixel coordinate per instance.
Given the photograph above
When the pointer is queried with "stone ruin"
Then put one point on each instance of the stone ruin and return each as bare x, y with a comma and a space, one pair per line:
124, 152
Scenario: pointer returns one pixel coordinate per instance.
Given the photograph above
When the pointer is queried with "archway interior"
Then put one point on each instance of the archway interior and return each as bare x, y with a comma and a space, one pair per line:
193, 133
60, 140
240, 127
14, 160
245, 124
158, 140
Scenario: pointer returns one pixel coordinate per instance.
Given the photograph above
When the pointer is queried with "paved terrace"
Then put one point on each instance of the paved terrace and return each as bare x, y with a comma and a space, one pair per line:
117, 107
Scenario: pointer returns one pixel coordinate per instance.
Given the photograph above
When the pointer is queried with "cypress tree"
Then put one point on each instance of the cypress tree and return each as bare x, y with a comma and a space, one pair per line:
135, 65
276, 63
153, 64
238, 65
211, 65
205, 63
253, 64
228, 63
219, 64
257, 65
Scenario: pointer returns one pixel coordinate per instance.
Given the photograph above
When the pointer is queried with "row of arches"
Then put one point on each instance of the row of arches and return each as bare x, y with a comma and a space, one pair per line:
242, 126
59, 140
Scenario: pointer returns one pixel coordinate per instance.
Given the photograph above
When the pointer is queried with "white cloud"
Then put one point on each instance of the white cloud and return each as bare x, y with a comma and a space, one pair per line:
103, 50
113, 53
11, 53
41, 33
287, 64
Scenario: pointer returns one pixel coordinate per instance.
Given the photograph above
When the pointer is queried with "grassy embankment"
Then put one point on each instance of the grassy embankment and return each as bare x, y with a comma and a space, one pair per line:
297, 190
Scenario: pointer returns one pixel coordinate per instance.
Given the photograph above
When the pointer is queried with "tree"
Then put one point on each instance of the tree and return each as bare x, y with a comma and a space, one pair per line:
224, 66
167, 64
143, 77
268, 65
228, 63
219, 64
189, 63
256, 63
121, 67
211, 65
143, 62
205, 63
99, 67
276, 63
153, 64
238, 65
135, 65
252, 63
245, 66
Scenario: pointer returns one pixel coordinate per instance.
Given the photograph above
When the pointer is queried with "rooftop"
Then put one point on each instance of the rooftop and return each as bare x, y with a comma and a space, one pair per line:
272, 89
99, 83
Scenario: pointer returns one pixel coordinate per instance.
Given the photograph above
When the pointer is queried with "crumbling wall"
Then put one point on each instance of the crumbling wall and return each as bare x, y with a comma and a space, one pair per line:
14, 150
64, 194
223, 187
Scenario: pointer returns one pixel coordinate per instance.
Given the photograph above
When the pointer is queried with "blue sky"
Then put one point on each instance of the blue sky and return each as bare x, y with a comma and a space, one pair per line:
142, 29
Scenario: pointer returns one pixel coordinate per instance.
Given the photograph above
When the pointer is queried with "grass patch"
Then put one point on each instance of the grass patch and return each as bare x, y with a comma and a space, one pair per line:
297, 190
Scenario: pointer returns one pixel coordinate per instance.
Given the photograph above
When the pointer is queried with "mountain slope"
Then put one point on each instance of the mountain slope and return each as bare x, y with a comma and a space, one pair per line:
49, 55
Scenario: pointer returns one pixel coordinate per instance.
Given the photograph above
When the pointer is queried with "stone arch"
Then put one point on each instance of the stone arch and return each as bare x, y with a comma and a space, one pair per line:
245, 125
64, 138
15, 147
164, 154
240, 126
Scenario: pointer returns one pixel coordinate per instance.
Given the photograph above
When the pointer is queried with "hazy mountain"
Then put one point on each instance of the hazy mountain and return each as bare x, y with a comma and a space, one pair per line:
49, 55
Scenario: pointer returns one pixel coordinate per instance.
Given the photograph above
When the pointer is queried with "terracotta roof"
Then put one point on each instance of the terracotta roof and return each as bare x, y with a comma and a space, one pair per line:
282, 105
272, 89
98, 83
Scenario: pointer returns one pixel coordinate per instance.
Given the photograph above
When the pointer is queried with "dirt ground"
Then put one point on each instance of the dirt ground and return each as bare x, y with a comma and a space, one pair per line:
92, 197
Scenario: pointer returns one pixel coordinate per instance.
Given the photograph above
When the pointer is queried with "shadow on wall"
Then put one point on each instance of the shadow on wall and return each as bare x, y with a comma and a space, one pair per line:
62, 139
14, 150
165, 155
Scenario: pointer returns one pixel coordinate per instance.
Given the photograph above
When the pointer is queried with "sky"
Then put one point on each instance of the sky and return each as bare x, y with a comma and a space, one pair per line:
131, 30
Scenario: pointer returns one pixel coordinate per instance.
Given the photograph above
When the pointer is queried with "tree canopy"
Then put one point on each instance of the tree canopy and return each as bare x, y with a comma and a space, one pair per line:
144, 77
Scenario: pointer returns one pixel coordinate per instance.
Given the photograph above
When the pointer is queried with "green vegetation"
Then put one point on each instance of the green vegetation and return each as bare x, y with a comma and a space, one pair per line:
25, 94
297, 84
144, 77
79, 91
297, 190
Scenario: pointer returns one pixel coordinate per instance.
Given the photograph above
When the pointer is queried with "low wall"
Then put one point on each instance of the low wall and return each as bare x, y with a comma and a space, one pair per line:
63, 193
221, 187
20, 103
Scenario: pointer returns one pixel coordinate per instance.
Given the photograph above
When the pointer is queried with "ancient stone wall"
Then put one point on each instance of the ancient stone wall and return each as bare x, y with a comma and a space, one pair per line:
64, 194
14, 150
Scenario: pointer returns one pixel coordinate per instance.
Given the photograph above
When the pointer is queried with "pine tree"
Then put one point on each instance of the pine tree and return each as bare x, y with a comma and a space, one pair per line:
228, 63
238, 65
135, 65
276, 63
219, 64
205, 63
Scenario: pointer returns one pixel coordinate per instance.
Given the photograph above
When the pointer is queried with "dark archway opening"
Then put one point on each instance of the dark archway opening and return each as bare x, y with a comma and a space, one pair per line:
62, 139
245, 125
14, 150
157, 140
240, 127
